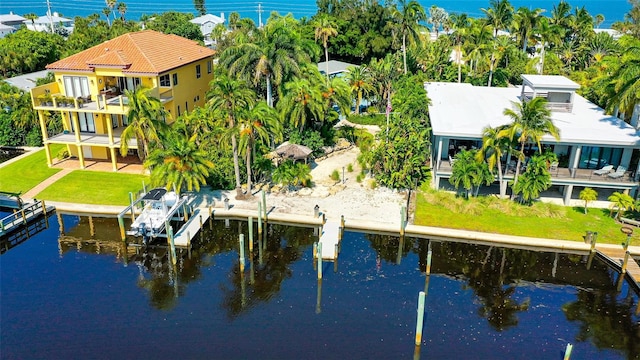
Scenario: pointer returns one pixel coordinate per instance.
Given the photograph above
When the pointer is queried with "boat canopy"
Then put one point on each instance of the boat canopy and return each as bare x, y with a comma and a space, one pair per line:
155, 194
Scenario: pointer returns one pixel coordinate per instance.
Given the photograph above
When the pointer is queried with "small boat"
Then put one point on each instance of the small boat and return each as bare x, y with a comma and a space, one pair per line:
159, 206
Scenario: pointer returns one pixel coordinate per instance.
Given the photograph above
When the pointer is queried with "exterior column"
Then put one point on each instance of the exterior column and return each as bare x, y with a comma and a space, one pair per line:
439, 158
626, 158
575, 157
76, 131
114, 161
568, 190
109, 128
45, 137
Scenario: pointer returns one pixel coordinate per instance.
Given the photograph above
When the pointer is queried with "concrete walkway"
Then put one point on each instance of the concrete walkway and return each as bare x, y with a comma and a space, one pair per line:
29, 195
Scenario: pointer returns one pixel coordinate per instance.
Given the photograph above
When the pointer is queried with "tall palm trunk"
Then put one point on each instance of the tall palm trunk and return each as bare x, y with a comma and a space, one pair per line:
404, 52
326, 59
503, 188
269, 94
249, 193
459, 56
236, 162
515, 178
358, 101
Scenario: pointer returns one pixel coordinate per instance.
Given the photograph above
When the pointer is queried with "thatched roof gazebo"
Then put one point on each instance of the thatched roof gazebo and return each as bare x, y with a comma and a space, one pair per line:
289, 151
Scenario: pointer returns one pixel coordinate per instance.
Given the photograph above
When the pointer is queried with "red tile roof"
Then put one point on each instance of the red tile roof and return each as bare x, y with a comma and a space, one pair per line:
145, 51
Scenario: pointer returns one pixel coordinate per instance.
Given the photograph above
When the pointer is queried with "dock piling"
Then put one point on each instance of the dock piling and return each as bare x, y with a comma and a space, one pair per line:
428, 269
567, 352
259, 218
403, 211
44, 208
120, 225
420, 320
241, 252
133, 214
319, 255
264, 205
250, 234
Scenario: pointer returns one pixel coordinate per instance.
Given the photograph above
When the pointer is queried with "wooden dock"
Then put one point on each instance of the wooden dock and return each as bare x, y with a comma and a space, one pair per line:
330, 239
615, 257
23, 217
183, 237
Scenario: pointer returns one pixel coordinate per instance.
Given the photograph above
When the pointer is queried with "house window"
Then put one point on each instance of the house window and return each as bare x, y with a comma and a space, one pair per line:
76, 86
85, 120
128, 83
114, 121
165, 81
175, 79
209, 66
198, 74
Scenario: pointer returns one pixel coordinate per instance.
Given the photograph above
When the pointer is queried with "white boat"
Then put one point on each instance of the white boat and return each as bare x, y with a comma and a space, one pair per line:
159, 206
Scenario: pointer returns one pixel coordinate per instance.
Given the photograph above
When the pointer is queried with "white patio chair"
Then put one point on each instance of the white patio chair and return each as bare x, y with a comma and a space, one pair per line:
605, 170
618, 173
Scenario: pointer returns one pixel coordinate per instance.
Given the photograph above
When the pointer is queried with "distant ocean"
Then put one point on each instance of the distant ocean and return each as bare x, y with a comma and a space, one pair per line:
613, 10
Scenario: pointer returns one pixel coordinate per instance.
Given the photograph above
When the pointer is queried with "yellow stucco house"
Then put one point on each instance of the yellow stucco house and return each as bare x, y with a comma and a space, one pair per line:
89, 89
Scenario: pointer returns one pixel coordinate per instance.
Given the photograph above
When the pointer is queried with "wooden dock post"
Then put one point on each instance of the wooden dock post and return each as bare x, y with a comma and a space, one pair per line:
319, 255
264, 205
133, 214
259, 219
567, 352
341, 230
24, 217
92, 229
61, 224
241, 252
172, 244
428, 269
403, 211
625, 261
420, 320
44, 208
315, 255
250, 234
210, 217
319, 297
121, 226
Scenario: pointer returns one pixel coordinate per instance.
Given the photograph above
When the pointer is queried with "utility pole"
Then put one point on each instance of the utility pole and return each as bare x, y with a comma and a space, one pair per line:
259, 15
50, 16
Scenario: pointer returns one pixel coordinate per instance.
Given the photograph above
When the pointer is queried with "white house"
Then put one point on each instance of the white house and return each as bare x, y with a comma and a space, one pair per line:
11, 19
207, 23
6, 30
44, 23
589, 138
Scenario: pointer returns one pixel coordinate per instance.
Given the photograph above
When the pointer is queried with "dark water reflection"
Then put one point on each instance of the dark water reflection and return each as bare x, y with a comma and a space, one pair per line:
83, 294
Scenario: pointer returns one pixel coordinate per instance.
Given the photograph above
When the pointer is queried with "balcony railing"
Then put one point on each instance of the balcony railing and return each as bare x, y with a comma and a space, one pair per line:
553, 106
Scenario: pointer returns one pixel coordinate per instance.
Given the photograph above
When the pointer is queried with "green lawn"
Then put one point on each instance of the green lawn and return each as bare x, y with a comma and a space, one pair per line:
489, 214
94, 187
23, 175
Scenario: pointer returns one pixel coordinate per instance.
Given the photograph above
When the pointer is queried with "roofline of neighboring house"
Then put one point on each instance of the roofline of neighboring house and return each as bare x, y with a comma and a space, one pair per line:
546, 141
125, 71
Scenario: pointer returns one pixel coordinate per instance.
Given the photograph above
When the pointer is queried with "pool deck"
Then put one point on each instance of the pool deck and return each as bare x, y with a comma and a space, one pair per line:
373, 225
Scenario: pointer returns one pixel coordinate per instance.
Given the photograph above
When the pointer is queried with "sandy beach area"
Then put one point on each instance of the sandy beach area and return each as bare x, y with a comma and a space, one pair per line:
355, 200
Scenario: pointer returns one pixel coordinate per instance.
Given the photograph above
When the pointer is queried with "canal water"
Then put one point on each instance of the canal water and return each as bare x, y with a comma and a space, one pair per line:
78, 295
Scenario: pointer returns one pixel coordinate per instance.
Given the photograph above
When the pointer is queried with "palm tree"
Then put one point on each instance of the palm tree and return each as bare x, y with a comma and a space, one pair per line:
106, 12
292, 174
111, 4
407, 19
588, 194
437, 17
621, 202
498, 16
534, 181
324, 29
228, 99
122, 9
531, 120
626, 82
359, 81
524, 23
275, 56
468, 172
32, 17
146, 119
260, 123
493, 146
383, 74
303, 101
598, 19
461, 25
179, 163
